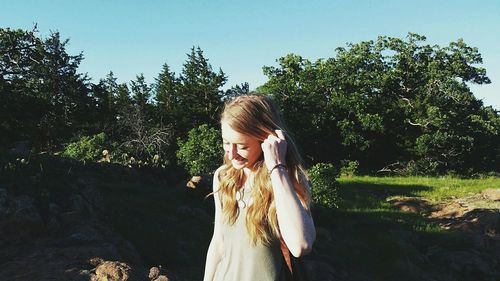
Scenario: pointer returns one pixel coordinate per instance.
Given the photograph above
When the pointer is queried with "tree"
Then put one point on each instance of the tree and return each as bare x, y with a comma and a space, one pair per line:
386, 101
166, 90
200, 95
123, 101
237, 90
105, 94
64, 89
141, 94
40, 77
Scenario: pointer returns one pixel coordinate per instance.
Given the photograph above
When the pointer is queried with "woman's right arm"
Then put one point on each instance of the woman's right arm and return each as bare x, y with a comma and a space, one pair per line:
215, 250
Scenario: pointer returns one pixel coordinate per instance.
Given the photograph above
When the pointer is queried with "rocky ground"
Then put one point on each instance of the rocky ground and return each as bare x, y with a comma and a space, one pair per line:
66, 237
476, 218
67, 243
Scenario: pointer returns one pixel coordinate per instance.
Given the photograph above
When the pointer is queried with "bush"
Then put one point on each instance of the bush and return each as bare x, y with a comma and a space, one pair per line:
324, 185
202, 152
86, 148
147, 143
349, 168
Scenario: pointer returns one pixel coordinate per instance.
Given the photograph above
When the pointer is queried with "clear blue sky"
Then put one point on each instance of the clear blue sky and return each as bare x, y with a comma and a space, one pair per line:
132, 37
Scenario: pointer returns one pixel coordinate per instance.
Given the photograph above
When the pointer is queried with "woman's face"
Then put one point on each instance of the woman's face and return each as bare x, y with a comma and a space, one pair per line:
242, 150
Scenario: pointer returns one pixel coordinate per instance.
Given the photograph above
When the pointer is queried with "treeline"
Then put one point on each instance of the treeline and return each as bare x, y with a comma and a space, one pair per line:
44, 100
390, 104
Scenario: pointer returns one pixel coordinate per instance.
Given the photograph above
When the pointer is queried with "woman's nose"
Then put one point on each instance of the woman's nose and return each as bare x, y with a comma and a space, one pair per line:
232, 152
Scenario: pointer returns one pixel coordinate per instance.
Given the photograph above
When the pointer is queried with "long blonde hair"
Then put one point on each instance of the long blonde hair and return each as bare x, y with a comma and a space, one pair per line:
257, 116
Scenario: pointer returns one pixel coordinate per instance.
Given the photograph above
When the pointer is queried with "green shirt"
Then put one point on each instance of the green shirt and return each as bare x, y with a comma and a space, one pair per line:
243, 261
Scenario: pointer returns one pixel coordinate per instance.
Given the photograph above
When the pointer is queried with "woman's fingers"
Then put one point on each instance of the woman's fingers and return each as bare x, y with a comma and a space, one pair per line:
280, 134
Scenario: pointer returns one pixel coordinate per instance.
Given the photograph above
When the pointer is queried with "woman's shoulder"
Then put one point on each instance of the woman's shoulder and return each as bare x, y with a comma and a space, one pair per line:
217, 176
219, 172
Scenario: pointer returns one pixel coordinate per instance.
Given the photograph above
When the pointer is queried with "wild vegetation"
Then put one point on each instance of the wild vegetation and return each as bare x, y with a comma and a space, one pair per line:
391, 105
99, 169
368, 228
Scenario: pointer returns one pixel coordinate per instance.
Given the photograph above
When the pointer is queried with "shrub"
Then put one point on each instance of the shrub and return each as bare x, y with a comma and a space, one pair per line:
349, 168
324, 185
202, 152
86, 148
145, 142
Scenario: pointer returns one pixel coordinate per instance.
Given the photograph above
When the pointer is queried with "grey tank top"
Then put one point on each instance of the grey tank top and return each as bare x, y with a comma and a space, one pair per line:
243, 261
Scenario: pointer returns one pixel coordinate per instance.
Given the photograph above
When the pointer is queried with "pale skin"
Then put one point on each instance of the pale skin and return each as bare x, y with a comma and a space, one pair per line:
295, 223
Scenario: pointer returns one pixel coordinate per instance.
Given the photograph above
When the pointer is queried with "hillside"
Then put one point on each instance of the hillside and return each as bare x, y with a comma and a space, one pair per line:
65, 220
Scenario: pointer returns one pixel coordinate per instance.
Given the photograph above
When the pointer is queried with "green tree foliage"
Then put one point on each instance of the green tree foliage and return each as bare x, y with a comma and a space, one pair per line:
44, 99
123, 102
324, 185
390, 100
202, 152
237, 90
388, 104
141, 95
105, 94
86, 148
200, 96
189, 100
166, 89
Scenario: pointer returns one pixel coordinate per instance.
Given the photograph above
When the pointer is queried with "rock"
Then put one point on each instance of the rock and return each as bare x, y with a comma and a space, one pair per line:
154, 272
53, 226
21, 219
111, 271
491, 194
448, 210
95, 261
70, 218
194, 181
410, 204
105, 157
80, 205
468, 264
54, 210
94, 198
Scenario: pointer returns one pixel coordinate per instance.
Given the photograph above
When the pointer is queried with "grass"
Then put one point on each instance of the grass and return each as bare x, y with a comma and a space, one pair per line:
375, 239
432, 188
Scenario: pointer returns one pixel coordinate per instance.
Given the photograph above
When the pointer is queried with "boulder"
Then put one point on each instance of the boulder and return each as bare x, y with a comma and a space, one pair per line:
111, 271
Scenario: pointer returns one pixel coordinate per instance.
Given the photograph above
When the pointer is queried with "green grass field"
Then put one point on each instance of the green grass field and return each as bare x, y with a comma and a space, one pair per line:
370, 236
433, 188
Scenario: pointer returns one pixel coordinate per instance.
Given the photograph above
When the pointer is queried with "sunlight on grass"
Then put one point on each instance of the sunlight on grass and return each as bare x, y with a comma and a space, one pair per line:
437, 188
429, 228
366, 197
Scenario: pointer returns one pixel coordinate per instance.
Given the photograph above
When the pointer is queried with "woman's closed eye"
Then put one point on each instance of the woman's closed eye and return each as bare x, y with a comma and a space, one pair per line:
225, 143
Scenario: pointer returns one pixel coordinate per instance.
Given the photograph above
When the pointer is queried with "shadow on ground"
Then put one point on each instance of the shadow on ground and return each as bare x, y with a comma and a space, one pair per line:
61, 220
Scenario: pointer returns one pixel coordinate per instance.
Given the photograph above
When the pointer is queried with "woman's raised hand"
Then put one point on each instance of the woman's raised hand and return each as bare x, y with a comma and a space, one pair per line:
274, 149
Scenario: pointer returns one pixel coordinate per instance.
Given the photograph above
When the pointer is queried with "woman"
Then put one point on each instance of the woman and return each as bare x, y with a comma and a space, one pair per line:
261, 196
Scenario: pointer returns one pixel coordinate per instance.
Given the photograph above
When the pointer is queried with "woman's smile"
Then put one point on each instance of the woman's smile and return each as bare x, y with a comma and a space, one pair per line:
243, 150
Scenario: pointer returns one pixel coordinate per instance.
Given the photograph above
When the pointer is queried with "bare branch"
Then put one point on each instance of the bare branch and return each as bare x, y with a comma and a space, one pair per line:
418, 124
407, 100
